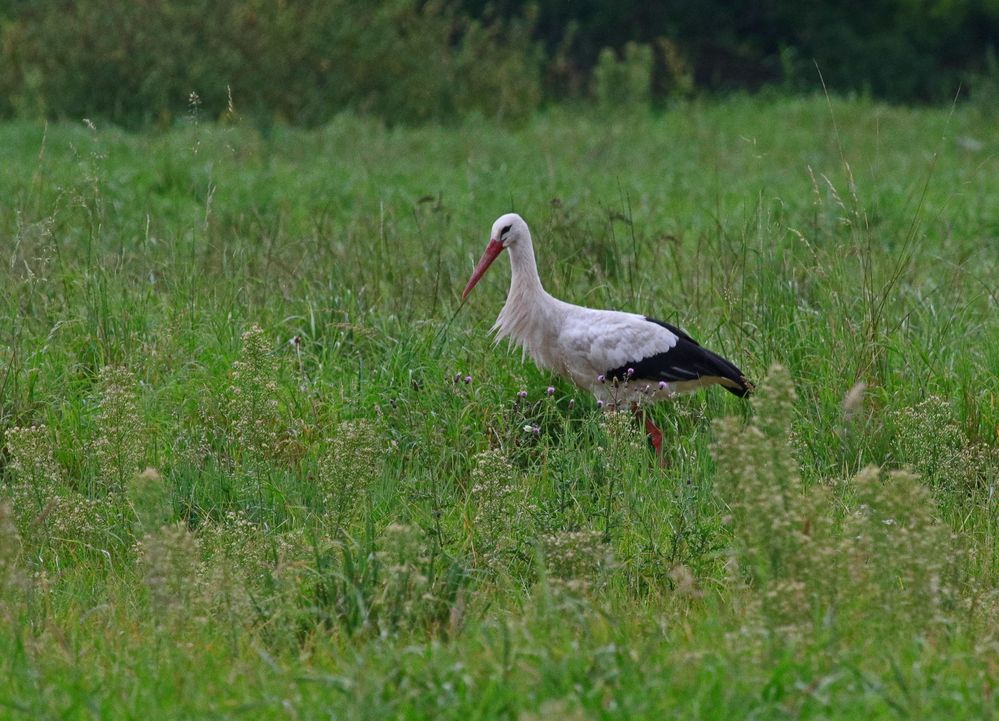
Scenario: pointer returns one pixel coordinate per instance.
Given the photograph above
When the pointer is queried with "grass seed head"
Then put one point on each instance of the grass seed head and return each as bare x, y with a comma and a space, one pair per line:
118, 446
913, 565
499, 508
252, 401
66, 522
251, 572
31, 457
349, 470
576, 561
567, 709
853, 401
929, 439
622, 437
170, 561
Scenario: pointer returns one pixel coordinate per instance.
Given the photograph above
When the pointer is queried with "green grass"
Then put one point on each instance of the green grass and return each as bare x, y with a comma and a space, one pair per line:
345, 549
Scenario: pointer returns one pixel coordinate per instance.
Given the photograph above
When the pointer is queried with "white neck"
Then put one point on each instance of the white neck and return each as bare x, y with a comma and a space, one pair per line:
524, 276
530, 316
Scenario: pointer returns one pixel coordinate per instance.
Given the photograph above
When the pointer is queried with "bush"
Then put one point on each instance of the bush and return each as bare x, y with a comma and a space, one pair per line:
302, 62
626, 83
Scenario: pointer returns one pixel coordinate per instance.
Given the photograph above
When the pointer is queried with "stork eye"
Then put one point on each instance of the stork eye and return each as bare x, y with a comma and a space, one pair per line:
506, 229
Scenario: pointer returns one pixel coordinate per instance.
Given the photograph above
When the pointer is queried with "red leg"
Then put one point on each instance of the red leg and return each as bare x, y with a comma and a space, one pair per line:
655, 437
654, 434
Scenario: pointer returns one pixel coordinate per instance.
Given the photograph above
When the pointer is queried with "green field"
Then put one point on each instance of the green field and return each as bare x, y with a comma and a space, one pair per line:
240, 479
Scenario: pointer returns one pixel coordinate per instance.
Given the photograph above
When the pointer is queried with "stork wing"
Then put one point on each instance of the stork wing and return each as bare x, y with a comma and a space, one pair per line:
594, 342
686, 361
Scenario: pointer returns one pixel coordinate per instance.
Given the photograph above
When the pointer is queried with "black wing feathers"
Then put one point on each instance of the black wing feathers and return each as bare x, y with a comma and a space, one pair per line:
686, 361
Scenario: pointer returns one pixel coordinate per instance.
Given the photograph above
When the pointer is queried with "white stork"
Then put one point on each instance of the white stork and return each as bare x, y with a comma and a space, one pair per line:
622, 358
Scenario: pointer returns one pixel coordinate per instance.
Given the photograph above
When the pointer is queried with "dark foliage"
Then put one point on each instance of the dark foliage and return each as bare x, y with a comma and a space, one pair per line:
907, 50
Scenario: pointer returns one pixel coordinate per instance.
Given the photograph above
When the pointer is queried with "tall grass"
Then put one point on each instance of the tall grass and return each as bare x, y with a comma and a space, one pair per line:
259, 461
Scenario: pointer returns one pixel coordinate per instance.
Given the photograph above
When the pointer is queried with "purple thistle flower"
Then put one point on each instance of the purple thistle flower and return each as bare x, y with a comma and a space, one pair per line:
662, 385
536, 430
600, 404
522, 394
600, 378
551, 390
468, 379
631, 372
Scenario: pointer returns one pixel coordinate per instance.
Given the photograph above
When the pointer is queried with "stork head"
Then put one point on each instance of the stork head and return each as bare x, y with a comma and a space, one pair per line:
507, 230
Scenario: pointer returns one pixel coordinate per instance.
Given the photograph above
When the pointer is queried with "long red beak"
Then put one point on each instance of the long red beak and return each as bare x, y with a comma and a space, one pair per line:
494, 248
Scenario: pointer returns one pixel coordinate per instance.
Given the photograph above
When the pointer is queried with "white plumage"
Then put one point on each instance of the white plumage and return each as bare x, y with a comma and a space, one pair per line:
619, 357
594, 341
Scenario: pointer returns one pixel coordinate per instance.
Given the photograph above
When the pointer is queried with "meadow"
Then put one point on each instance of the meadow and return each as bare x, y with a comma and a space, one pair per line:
259, 462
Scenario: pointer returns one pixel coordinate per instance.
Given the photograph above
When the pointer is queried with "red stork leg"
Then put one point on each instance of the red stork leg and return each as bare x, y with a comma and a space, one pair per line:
655, 438
655, 435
